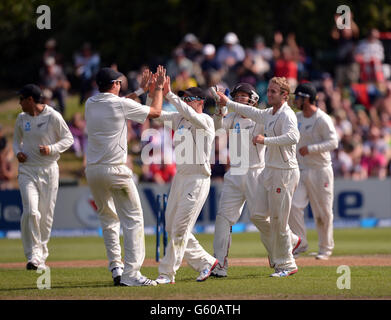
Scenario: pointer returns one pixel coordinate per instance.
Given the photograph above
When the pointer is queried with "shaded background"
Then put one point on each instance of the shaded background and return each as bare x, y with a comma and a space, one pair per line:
131, 33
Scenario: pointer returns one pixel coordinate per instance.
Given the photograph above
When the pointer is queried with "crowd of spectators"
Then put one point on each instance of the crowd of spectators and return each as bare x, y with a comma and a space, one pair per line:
356, 93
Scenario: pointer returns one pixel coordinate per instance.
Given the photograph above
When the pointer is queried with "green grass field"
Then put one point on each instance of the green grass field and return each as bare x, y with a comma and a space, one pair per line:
244, 282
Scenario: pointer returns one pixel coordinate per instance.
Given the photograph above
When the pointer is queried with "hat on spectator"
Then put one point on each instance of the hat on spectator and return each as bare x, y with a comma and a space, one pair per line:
193, 92
208, 49
306, 90
231, 38
106, 76
31, 90
190, 37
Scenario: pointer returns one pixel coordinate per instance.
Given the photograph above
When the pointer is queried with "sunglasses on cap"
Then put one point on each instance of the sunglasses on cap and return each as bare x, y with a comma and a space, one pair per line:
190, 99
301, 95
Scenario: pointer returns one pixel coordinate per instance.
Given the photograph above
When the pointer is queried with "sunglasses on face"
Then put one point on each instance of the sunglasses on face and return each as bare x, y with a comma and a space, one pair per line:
190, 99
116, 81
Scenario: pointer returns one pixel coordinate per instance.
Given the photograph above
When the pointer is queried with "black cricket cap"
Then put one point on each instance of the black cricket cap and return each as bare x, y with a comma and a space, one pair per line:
306, 90
105, 76
31, 90
193, 92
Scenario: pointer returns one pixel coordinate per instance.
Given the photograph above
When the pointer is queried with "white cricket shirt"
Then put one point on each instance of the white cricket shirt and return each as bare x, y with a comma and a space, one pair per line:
106, 115
255, 155
319, 135
48, 129
281, 133
193, 137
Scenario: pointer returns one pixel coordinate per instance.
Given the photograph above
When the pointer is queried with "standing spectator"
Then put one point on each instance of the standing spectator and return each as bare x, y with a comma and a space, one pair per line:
370, 54
53, 78
41, 134
86, 67
231, 52
286, 67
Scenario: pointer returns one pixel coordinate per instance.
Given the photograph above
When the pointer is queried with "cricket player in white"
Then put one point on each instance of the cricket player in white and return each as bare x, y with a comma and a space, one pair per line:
316, 186
280, 177
40, 135
110, 180
242, 179
191, 184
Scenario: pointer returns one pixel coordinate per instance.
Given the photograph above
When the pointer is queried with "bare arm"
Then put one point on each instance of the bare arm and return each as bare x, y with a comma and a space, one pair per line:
157, 99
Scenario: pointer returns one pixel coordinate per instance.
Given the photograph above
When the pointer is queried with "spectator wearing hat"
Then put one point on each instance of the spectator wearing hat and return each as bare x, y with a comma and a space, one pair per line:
110, 179
40, 135
179, 62
231, 52
211, 68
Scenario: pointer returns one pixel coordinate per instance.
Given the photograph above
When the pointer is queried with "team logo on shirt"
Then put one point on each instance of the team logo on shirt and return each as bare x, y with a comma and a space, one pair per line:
39, 125
237, 127
309, 126
27, 126
278, 190
180, 129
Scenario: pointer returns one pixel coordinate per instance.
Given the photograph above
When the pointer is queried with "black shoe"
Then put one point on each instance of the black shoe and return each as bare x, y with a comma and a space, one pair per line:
117, 280
31, 266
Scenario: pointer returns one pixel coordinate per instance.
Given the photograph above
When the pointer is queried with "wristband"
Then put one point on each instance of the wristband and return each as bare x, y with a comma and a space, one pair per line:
139, 91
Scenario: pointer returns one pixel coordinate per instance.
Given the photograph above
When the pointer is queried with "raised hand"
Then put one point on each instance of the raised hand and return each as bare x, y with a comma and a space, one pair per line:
167, 86
152, 85
161, 76
223, 99
145, 78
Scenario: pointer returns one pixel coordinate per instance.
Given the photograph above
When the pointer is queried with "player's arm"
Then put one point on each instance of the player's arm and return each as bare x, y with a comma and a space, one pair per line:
243, 109
329, 137
145, 79
18, 143
290, 134
63, 134
157, 99
198, 120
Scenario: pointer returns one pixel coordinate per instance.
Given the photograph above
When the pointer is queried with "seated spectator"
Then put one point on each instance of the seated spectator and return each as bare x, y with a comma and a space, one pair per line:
7, 172
262, 56
211, 68
183, 81
53, 78
192, 47
162, 173
77, 126
374, 163
247, 71
231, 52
177, 63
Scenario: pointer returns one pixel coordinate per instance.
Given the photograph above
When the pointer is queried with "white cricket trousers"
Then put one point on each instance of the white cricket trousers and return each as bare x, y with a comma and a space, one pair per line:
38, 188
316, 186
118, 203
275, 192
187, 196
237, 190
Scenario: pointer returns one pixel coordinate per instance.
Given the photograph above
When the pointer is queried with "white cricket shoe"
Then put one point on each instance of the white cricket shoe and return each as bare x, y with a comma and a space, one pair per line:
138, 282
323, 256
206, 272
219, 272
116, 274
162, 279
283, 273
